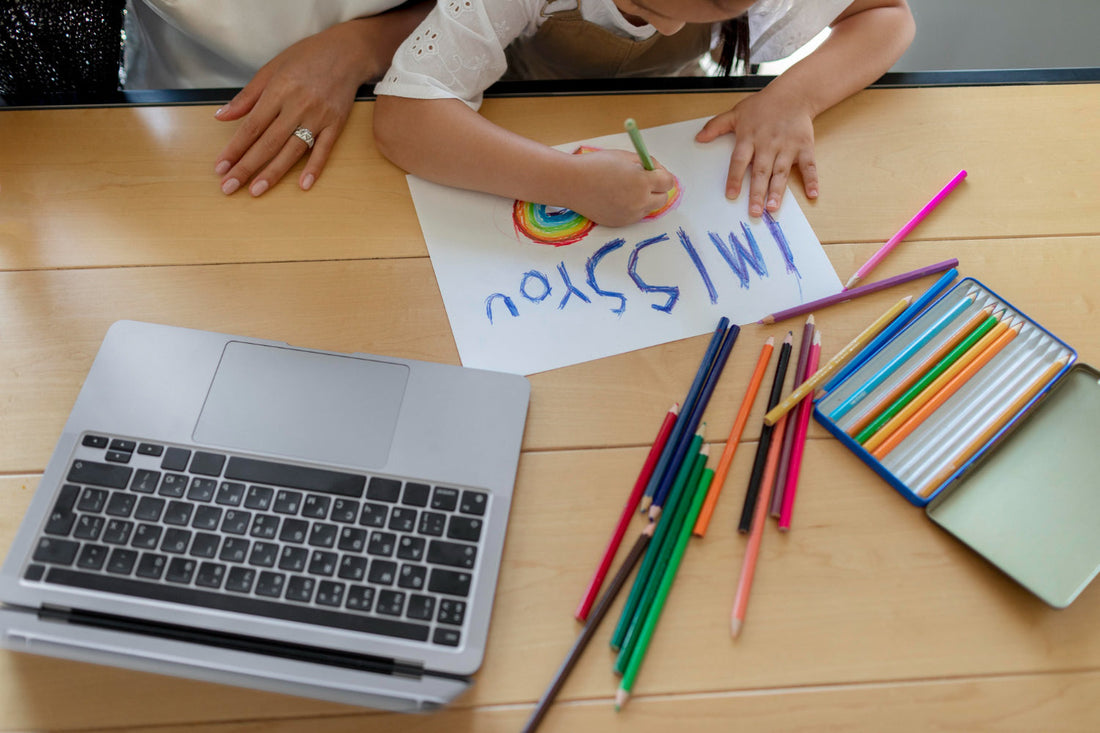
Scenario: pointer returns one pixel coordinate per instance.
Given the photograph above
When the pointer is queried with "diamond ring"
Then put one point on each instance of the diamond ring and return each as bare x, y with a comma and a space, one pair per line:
305, 136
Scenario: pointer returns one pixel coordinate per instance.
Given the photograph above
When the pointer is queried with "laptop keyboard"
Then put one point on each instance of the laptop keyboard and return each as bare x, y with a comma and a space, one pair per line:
366, 553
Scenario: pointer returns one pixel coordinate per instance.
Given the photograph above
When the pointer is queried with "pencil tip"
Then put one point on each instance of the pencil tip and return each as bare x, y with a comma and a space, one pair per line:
767, 320
770, 341
851, 281
810, 319
621, 696
735, 627
817, 338
789, 338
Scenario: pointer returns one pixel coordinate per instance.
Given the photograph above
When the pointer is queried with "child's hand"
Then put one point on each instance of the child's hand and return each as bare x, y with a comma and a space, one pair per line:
612, 188
773, 133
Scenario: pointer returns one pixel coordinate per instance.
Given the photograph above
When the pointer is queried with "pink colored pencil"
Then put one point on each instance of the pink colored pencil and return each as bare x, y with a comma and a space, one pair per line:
802, 424
788, 440
877, 257
756, 535
628, 511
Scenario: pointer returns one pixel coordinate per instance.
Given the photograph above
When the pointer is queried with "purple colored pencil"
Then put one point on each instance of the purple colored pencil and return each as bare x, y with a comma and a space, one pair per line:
846, 295
788, 437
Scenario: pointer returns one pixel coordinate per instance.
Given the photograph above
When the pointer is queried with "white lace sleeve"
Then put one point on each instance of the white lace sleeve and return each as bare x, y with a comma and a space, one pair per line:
458, 50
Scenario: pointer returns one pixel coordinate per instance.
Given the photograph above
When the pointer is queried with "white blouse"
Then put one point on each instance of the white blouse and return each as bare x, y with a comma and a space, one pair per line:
189, 44
458, 51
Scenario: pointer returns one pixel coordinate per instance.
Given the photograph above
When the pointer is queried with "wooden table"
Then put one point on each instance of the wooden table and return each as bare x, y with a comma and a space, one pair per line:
865, 617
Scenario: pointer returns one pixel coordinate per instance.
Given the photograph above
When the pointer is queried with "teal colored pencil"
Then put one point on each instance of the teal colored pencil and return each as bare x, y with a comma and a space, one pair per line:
943, 365
675, 528
651, 553
639, 144
669, 576
904, 355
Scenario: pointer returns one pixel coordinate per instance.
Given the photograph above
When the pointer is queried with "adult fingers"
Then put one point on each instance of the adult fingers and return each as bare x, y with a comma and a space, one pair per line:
264, 149
292, 150
322, 148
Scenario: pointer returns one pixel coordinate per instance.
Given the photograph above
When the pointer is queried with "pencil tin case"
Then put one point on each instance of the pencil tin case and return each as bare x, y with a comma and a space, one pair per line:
998, 446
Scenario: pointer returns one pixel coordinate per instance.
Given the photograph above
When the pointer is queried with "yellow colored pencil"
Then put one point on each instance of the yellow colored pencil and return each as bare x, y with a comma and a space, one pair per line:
836, 362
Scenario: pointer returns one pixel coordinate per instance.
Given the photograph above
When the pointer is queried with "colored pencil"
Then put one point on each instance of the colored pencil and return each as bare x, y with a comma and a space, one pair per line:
809, 385
943, 350
639, 144
846, 295
752, 492
900, 358
752, 549
589, 629
680, 427
676, 525
880, 341
630, 673
804, 347
902, 233
943, 390
696, 417
634, 597
801, 427
994, 427
883, 425
628, 510
734, 437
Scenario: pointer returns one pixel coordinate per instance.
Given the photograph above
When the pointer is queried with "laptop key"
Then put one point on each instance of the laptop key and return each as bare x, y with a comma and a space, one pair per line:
234, 549
352, 539
416, 494
210, 575
323, 563
473, 502
384, 489
205, 545
412, 576
240, 580
115, 456
264, 554
146, 536
100, 474
259, 497
323, 535
180, 570
441, 552
447, 637
345, 510
207, 464
117, 531
94, 441
176, 541
92, 557
381, 543
287, 502
294, 530
352, 567
120, 504
88, 527
451, 612
177, 513
382, 572
294, 559
270, 584
236, 521
464, 528
300, 588
432, 524
449, 581
175, 459
62, 517
411, 548
373, 515
173, 485
150, 449
121, 562
92, 500
390, 602
207, 517
360, 598
420, 607
151, 565
403, 519
295, 477
202, 489
149, 509
230, 493
444, 499
330, 593
123, 446
145, 481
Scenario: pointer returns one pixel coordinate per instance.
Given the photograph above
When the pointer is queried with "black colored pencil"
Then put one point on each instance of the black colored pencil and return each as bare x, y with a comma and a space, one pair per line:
753, 490
589, 628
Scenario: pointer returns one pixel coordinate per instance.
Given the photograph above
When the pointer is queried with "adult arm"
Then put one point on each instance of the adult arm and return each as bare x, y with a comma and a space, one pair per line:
312, 84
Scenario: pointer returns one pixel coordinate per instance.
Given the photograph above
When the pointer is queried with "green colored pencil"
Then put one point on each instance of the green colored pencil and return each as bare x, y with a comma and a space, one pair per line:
652, 552
675, 526
667, 579
639, 144
943, 365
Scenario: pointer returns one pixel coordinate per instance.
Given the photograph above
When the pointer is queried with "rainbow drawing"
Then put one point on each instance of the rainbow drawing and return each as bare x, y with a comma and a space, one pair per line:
558, 226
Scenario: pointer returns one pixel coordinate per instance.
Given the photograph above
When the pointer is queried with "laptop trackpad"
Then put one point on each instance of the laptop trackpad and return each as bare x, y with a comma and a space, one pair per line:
300, 404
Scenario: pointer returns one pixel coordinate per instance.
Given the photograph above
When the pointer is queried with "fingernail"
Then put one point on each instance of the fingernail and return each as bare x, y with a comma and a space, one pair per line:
230, 186
218, 112
222, 167
756, 210
258, 188
773, 203
731, 194
307, 181
812, 193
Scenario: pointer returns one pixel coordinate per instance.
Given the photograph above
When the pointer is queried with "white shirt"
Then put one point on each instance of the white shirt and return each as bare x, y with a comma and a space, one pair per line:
458, 51
189, 44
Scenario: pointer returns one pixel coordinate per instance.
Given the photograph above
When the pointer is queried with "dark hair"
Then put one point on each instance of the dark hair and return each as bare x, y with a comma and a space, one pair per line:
733, 45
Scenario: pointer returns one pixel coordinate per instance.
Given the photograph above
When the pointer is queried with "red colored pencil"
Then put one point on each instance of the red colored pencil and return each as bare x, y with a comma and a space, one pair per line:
628, 511
801, 427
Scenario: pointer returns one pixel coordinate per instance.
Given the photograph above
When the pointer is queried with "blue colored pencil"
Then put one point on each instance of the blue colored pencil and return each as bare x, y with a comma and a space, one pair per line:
696, 417
893, 329
904, 355
678, 430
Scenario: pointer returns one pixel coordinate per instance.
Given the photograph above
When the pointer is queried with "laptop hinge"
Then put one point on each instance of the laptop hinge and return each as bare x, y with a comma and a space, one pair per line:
242, 643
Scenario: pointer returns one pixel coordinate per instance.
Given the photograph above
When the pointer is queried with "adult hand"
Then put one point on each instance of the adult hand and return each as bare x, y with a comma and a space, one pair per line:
310, 85
773, 133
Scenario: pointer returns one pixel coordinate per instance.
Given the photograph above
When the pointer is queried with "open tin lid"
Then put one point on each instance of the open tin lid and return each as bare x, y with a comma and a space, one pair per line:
1031, 504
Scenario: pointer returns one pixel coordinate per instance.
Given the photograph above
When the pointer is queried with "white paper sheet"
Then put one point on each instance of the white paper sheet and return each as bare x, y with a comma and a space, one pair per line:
525, 307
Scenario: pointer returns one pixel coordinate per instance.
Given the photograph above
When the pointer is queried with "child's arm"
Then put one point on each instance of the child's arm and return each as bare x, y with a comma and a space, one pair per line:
774, 127
445, 141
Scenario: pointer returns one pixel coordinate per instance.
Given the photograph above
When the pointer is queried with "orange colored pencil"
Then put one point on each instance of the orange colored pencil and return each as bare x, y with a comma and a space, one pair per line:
936, 385
1002, 419
949, 388
756, 534
734, 438
912, 379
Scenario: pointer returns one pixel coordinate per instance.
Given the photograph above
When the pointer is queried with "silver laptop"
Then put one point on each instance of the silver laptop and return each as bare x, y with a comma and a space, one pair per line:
257, 514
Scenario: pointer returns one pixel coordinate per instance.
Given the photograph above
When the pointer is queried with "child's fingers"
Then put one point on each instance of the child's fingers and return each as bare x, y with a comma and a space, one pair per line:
758, 185
808, 168
777, 186
739, 163
715, 127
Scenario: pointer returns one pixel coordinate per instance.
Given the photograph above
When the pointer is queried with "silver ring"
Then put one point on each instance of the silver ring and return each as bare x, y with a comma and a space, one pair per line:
305, 136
